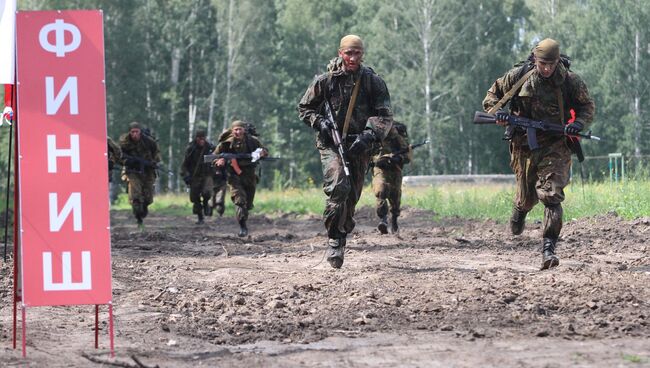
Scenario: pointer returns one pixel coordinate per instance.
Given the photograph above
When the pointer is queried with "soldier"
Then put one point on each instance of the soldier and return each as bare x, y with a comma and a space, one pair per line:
220, 182
114, 158
388, 163
360, 104
198, 175
219, 192
140, 158
241, 175
548, 93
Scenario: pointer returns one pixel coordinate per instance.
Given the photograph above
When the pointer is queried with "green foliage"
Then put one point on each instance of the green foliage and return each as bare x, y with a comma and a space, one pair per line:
179, 65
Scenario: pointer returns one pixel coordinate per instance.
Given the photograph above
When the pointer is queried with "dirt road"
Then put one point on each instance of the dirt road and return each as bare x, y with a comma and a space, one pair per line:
448, 293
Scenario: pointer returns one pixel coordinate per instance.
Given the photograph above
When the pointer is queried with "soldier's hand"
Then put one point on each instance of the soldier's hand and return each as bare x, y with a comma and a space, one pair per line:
362, 143
324, 128
383, 163
396, 160
220, 162
187, 179
501, 117
7, 115
573, 128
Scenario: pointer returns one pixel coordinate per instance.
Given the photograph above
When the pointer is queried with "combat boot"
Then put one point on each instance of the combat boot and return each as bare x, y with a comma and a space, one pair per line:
383, 225
517, 221
393, 224
243, 230
137, 212
220, 209
549, 259
207, 210
335, 252
200, 220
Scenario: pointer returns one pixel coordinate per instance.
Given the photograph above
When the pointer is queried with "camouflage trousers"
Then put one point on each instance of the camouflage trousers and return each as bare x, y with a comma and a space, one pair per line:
342, 194
200, 193
140, 188
387, 186
219, 191
541, 177
242, 190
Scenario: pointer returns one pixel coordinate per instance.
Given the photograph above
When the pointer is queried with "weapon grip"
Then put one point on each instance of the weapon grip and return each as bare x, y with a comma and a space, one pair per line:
532, 138
235, 166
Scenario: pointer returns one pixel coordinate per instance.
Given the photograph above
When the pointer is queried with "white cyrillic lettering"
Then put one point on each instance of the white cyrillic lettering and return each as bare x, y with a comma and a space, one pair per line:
72, 152
67, 284
52, 104
58, 218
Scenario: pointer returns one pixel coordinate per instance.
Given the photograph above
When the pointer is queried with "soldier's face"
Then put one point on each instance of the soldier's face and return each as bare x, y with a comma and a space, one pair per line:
135, 134
238, 132
200, 141
352, 58
545, 68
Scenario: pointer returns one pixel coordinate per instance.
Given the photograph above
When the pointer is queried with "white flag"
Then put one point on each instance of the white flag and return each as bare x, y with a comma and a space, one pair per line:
7, 41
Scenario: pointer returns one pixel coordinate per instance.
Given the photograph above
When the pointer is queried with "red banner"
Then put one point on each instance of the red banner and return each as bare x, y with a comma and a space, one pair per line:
63, 171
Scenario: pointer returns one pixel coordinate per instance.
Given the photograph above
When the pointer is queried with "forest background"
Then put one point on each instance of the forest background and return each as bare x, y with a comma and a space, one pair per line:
177, 66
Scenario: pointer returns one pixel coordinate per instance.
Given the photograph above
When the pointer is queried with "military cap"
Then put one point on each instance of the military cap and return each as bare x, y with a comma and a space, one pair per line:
547, 50
238, 124
135, 125
351, 42
200, 134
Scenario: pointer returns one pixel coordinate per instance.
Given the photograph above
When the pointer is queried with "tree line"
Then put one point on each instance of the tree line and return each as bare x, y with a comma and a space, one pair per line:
176, 66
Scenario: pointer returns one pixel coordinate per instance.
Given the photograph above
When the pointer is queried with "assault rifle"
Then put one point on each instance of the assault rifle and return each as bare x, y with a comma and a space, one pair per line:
336, 137
138, 165
411, 147
400, 152
532, 126
233, 157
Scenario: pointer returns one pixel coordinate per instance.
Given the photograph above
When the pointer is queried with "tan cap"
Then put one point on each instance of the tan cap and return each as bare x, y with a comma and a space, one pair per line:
351, 42
547, 50
238, 124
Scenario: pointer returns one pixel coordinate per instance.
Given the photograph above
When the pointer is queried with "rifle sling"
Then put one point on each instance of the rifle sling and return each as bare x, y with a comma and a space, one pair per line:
510, 93
348, 114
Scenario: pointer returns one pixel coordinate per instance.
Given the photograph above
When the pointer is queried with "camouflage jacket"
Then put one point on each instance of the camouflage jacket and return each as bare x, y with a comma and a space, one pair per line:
336, 85
114, 153
246, 145
193, 162
146, 148
538, 99
395, 144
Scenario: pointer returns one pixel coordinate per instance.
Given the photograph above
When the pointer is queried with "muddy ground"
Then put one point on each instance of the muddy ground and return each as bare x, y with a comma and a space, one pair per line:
441, 293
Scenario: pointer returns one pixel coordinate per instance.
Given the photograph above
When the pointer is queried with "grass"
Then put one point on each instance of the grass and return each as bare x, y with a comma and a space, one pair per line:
629, 200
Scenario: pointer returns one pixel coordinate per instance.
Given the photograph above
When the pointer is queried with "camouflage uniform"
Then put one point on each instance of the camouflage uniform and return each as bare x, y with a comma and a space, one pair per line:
220, 182
199, 175
242, 186
388, 163
140, 180
114, 157
542, 174
373, 100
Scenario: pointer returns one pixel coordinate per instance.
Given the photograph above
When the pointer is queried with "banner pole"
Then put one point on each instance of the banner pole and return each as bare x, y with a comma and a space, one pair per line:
11, 130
